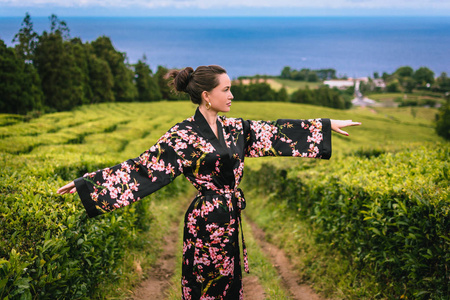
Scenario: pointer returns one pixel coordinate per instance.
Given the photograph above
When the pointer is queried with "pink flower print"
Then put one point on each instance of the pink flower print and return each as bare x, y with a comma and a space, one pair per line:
114, 192
211, 227
217, 166
94, 196
246, 267
123, 176
126, 166
191, 224
180, 145
133, 186
207, 207
91, 174
217, 235
203, 260
217, 202
227, 267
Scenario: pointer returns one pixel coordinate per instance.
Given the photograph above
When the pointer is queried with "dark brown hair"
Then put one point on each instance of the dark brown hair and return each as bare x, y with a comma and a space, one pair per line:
204, 78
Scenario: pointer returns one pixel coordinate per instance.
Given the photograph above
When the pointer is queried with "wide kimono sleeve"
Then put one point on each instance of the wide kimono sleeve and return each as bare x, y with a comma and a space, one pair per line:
285, 137
111, 188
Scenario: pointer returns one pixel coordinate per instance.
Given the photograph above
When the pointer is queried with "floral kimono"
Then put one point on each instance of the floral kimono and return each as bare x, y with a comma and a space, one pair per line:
214, 165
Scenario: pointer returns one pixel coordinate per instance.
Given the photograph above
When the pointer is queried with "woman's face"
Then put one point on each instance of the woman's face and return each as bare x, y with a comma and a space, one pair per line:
220, 97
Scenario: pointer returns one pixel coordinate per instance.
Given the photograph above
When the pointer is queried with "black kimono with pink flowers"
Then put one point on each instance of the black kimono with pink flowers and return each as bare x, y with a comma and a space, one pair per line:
214, 165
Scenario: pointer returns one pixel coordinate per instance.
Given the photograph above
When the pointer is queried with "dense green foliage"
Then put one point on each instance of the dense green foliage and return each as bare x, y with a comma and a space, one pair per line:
257, 91
49, 249
307, 74
19, 83
386, 212
405, 79
322, 96
54, 72
443, 121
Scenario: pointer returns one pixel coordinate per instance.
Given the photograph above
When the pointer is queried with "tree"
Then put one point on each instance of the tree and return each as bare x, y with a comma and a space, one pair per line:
312, 77
405, 71
163, 84
282, 95
286, 73
146, 86
303, 96
408, 84
444, 82
101, 80
61, 77
393, 86
27, 39
424, 76
239, 90
443, 120
19, 83
124, 89
81, 56
59, 27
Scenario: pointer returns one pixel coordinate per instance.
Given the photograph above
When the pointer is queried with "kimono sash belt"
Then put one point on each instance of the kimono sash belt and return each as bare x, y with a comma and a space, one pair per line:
238, 199
237, 196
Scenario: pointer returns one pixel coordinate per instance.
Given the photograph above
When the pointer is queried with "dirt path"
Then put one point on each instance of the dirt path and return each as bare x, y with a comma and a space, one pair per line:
280, 261
158, 280
253, 290
159, 277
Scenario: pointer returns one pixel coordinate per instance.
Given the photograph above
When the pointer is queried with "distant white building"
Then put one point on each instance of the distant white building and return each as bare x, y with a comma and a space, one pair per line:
379, 82
340, 84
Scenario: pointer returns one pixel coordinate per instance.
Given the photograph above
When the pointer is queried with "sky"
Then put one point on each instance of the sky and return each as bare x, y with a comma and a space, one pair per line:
205, 8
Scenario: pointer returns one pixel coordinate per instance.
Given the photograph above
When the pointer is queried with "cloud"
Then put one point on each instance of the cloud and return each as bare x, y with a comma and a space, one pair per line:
208, 4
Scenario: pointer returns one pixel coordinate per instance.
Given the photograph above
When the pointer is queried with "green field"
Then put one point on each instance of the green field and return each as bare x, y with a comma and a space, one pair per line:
292, 85
421, 98
49, 247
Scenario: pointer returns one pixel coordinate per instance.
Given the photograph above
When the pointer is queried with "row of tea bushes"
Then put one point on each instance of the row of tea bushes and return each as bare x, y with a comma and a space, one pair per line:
49, 248
389, 214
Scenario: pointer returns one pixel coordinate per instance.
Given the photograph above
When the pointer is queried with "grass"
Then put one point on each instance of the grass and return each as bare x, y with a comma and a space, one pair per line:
292, 85
416, 96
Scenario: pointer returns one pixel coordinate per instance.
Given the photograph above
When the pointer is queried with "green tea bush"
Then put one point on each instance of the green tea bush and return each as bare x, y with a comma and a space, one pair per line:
49, 248
389, 213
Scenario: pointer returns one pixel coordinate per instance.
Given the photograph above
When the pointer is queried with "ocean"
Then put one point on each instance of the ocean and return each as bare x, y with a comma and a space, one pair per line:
353, 46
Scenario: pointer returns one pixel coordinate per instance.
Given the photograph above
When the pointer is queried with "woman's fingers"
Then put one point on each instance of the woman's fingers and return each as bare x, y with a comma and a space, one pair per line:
336, 125
351, 123
68, 188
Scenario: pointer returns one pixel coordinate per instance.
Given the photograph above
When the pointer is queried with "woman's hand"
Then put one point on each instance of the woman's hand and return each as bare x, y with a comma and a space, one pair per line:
336, 125
68, 188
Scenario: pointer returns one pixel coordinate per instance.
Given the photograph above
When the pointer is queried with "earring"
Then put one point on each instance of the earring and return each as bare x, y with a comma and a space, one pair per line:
208, 105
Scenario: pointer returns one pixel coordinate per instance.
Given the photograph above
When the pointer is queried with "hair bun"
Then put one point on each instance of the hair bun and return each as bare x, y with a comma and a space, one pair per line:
182, 79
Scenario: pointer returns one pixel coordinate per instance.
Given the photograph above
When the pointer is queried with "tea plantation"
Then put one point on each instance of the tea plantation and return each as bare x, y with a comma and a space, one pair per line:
382, 201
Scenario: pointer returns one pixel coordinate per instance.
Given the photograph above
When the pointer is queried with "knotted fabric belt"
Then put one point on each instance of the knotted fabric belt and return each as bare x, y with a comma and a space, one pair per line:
237, 195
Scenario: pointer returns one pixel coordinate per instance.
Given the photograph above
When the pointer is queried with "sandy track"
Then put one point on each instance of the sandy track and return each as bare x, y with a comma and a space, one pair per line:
159, 277
284, 268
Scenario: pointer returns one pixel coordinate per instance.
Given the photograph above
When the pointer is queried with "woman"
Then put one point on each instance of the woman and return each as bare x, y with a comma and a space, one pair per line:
209, 150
